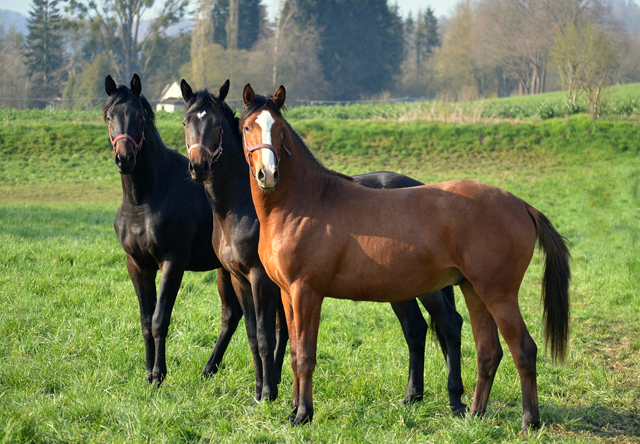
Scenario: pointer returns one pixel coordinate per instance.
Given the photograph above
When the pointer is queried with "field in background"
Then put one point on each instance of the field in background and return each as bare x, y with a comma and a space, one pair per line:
72, 357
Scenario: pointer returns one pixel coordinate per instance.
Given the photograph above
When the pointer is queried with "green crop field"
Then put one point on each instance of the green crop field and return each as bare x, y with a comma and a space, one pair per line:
71, 351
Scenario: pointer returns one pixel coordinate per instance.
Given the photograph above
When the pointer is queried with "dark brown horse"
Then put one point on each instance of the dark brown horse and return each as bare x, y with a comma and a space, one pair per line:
323, 235
216, 157
163, 223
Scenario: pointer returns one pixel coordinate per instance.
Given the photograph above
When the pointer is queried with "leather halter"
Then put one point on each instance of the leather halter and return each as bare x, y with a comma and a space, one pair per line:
262, 146
137, 145
213, 156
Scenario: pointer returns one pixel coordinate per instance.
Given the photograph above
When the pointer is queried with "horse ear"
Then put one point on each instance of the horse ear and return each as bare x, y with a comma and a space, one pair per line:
248, 95
187, 92
222, 92
279, 96
109, 85
136, 85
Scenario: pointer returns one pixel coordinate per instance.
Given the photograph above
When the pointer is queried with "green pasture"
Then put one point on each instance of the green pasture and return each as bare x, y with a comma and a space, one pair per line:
71, 351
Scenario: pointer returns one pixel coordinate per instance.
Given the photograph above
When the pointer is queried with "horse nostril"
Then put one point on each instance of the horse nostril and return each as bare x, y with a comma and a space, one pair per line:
261, 175
118, 159
129, 158
275, 176
191, 168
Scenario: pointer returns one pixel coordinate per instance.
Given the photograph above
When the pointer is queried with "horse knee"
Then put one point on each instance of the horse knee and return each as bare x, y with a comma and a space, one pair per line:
525, 357
306, 365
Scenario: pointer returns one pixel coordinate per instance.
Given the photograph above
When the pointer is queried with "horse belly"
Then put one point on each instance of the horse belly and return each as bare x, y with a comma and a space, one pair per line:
388, 270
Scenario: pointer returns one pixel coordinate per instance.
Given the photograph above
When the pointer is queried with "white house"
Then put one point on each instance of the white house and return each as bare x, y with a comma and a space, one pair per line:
171, 98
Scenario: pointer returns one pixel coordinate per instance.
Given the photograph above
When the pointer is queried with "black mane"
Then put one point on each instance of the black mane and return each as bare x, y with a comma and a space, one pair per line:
203, 98
124, 94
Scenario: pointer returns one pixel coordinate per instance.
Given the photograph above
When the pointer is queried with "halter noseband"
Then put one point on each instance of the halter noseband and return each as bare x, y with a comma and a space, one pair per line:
213, 156
137, 145
260, 146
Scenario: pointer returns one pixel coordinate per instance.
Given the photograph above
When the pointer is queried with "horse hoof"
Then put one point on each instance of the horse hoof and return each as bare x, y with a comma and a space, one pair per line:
526, 427
459, 412
301, 421
411, 399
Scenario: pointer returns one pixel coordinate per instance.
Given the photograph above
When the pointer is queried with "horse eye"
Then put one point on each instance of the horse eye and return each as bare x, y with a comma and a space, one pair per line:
183, 123
246, 128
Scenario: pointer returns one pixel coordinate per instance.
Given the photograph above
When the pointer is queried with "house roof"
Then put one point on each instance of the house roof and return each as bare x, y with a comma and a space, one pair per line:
170, 92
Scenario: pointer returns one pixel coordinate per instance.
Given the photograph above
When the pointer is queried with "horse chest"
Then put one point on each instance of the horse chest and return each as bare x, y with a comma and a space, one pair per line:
138, 239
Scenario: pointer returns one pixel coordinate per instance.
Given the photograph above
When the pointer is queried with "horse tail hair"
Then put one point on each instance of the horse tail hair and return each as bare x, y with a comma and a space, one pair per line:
555, 285
436, 333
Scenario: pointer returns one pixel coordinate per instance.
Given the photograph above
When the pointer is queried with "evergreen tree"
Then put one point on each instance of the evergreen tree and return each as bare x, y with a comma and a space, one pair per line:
361, 41
251, 15
45, 56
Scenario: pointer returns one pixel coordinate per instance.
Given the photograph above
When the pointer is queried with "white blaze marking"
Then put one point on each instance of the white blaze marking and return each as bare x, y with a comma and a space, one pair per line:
202, 114
265, 122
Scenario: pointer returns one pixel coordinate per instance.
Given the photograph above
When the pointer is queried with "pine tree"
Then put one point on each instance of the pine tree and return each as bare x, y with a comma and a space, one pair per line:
362, 44
45, 49
250, 17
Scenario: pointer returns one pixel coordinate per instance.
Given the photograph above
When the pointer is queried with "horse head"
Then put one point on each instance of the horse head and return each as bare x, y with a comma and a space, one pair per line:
125, 113
263, 131
202, 123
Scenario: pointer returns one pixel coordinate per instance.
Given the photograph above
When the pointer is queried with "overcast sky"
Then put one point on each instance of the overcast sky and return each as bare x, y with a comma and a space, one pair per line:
441, 7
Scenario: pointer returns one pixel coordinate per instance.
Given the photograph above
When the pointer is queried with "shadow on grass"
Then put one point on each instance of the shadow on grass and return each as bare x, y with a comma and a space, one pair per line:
595, 420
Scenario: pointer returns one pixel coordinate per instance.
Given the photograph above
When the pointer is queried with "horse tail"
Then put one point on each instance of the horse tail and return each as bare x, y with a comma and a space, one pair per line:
555, 285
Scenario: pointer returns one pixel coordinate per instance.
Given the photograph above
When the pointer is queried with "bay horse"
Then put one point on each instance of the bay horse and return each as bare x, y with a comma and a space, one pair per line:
216, 158
163, 223
323, 235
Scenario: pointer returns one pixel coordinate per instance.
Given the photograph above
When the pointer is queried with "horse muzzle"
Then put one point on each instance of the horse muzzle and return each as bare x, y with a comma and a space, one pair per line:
125, 162
199, 169
267, 177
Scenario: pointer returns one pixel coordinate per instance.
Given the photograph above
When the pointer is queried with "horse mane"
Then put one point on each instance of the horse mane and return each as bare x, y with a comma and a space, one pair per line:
203, 98
260, 102
124, 94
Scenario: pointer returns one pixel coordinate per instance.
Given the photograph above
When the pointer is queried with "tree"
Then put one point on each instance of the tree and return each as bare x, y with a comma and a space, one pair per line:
421, 38
116, 23
14, 81
457, 70
45, 56
585, 57
247, 19
361, 43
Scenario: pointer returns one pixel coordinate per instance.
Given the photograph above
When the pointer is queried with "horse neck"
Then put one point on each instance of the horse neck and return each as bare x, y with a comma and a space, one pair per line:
138, 186
228, 185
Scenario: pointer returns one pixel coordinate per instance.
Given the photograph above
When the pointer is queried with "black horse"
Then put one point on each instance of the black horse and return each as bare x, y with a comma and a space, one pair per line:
217, 158
164, 223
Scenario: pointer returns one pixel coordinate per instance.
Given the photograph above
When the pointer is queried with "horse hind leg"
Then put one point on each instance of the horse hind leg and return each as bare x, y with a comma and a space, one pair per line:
524, 352
414, 329
231, 313
489, 351
448, 327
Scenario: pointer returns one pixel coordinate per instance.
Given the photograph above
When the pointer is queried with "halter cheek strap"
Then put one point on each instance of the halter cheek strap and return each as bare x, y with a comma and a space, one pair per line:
137, 145
262, 146
213, 156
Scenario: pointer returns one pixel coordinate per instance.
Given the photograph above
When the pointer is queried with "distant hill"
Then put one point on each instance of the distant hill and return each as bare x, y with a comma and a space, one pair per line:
12, 18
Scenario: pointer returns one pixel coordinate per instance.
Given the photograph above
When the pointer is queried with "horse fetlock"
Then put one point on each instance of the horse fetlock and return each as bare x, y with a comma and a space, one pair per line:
460, 410
411, 398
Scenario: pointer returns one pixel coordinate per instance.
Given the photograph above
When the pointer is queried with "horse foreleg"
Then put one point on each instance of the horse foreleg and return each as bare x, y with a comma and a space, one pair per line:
287, 309
230, 314
242, 288
489, 351
282, 337
266, 296
172, 273
449, 323
414, 329
306, 308
144, 282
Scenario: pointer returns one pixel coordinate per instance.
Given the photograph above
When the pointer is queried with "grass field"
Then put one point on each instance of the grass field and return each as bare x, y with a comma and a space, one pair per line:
72, 357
